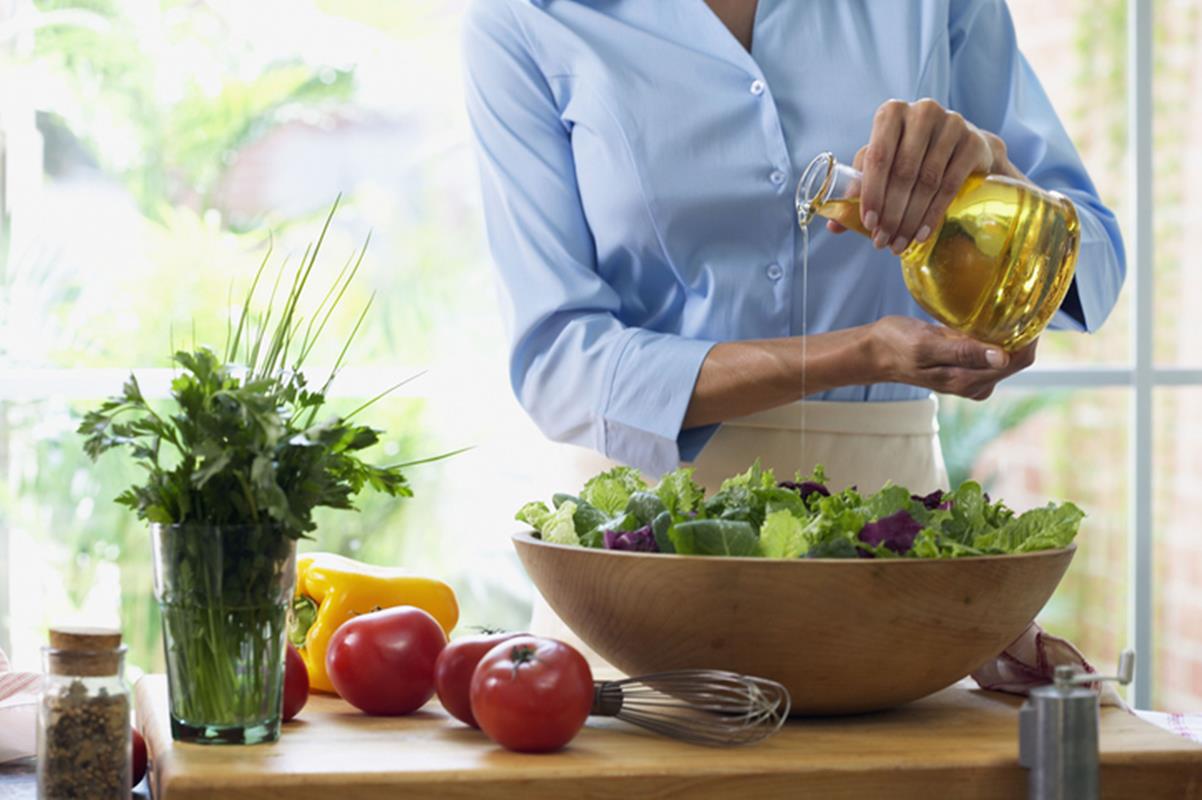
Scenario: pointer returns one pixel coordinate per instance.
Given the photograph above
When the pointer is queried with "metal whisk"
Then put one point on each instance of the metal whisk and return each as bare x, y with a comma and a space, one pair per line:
702, 706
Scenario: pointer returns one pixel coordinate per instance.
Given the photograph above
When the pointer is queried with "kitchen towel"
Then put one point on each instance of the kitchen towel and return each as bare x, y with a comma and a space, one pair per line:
1033, 657
1031, 660
1187, 726
18, 712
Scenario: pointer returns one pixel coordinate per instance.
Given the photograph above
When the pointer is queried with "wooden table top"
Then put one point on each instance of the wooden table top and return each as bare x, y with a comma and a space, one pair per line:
961, 742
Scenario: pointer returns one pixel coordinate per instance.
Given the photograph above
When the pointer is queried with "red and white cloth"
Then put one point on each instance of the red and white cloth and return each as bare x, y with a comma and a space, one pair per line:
1187, 726
1031, 660
18, 711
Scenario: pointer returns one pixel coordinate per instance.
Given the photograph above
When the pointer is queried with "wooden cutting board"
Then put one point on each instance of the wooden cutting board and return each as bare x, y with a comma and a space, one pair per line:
961, 742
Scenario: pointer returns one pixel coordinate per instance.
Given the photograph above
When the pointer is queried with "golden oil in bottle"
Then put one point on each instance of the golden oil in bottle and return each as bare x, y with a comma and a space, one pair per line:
996, 268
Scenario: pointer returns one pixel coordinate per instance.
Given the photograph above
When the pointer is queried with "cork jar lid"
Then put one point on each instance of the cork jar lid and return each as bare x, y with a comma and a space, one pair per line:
87, 652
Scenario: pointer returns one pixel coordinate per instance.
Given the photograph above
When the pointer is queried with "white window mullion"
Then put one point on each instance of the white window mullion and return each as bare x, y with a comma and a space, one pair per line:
23, 384
1084, 377
1141, 254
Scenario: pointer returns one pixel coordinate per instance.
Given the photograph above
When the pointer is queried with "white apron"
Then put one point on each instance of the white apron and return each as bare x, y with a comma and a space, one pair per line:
859, 444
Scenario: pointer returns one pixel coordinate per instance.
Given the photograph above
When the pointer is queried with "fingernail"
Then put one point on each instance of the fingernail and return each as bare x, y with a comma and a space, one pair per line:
923, 233
899, 244
870, 220
880, 240
995, 358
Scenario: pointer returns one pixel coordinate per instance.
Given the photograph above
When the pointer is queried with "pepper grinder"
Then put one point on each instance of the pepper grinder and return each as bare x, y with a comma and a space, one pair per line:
1058, 733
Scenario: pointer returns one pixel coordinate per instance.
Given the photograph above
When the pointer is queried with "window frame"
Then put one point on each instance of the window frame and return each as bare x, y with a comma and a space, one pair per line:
1141, 253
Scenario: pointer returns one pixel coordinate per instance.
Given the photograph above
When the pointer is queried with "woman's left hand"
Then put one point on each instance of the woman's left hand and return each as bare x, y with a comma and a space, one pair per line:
916, 160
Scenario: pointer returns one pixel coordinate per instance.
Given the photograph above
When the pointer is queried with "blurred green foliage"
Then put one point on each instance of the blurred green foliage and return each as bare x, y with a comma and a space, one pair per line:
967, 428
162, 97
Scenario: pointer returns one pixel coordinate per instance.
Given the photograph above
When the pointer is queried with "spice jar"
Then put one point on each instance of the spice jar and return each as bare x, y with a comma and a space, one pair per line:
84, 720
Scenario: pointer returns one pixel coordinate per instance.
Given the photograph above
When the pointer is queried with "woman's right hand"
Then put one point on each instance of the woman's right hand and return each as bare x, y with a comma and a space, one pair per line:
908, 350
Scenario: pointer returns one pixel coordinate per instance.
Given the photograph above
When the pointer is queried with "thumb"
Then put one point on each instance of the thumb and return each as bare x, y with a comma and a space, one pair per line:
972, 354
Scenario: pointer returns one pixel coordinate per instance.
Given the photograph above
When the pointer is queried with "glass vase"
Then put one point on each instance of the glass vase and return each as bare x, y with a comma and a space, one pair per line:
224, 593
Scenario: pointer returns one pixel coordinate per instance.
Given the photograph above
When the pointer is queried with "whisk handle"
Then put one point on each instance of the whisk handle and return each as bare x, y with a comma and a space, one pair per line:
607, 699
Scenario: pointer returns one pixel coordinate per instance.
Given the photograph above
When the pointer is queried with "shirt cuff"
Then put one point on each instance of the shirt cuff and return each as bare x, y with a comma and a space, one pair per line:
692, 441
650, 385
1097, 280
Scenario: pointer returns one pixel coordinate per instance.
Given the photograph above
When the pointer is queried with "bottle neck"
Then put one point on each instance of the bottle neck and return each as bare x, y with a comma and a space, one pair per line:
813, 187
830, 189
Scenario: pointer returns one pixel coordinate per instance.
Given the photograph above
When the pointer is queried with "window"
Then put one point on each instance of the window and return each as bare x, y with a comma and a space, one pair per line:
1115, 443
146, 149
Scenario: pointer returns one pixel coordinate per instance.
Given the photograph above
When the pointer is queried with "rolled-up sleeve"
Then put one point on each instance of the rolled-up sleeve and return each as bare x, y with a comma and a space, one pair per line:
994, 87
584, 377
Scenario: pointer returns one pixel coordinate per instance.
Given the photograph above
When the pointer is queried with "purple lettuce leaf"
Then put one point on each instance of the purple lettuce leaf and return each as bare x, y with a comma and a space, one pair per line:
805, 488
641, 540
896, 531
933, 501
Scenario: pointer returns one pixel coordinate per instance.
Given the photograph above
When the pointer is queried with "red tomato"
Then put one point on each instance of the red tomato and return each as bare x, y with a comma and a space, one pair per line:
296, 683
383, 662
138, 746
532, 695
454, 668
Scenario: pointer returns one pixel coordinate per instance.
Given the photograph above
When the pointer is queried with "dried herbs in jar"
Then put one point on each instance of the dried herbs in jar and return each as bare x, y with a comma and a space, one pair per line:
84, 721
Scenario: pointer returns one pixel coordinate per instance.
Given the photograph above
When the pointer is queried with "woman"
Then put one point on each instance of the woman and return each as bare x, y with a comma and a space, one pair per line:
638, 161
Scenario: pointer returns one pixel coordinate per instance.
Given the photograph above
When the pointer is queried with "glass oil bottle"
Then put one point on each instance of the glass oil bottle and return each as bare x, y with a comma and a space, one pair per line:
997, 267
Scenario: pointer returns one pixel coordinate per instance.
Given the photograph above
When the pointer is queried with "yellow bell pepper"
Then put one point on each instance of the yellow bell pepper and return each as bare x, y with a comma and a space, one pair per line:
330, 589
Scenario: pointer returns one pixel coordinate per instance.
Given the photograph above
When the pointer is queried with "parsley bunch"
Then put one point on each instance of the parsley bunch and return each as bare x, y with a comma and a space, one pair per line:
245, 443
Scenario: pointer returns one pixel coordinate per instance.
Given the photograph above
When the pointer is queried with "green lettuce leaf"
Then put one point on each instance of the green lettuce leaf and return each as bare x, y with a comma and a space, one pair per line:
645, 506
679, 493
888, 500
533, 514
1051, 527
756, 477
661, 527
623, 521
587, 516
746, 496
778, 499
715, 537
782, 535
817, 476
611, 490
841, 547
931, 544
559, 527
967, 518
838, 522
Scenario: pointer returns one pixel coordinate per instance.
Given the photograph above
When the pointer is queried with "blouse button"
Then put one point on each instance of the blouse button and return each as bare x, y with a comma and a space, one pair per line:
777, 177
774, 272
757, 87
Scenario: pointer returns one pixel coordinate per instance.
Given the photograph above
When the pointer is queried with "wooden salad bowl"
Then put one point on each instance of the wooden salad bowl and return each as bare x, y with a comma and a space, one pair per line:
844, 635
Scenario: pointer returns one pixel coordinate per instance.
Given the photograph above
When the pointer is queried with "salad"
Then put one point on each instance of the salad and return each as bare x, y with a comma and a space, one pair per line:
754, 514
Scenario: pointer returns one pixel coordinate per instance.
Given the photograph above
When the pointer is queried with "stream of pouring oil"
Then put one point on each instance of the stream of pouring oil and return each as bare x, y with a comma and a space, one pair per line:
805, 339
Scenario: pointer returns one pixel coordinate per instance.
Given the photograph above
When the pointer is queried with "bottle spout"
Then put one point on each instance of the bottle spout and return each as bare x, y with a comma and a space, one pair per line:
814, 187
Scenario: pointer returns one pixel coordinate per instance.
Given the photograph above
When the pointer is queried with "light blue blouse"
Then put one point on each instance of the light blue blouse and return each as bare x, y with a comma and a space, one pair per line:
638, 168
